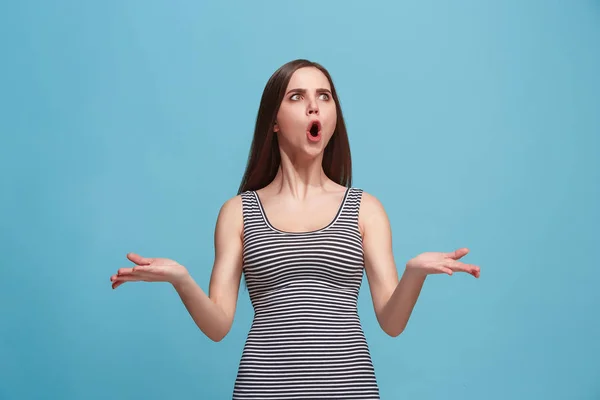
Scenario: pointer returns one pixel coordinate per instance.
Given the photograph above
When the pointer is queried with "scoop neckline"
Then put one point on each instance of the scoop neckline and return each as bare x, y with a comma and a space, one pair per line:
333, 221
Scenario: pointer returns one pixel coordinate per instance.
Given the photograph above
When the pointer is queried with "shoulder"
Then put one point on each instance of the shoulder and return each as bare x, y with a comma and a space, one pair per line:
369, 203
230, 213
233, 206
372, 214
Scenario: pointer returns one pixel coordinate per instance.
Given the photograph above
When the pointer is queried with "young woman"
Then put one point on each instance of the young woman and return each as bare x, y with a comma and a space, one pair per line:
302, 235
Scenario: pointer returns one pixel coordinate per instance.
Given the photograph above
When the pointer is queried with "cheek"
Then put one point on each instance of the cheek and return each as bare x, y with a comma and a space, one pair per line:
286, 119
291, 127
330, 121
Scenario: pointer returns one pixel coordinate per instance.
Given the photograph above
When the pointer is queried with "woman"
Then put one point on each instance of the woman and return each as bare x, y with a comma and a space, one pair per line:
302, 236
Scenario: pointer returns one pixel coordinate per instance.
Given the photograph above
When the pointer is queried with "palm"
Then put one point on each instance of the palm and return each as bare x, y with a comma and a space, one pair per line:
442, 263
149, 270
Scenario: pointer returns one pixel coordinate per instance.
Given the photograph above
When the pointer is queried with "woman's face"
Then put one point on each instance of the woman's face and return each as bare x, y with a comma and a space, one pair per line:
307, 114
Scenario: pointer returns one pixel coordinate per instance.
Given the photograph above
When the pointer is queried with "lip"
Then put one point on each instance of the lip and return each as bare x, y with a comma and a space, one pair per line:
309, 135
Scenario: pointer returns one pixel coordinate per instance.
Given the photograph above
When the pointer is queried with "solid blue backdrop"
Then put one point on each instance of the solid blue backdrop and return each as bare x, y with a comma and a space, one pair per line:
126, 125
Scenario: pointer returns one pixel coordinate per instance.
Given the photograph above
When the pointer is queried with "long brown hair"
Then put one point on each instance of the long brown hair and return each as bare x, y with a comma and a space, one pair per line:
264, 158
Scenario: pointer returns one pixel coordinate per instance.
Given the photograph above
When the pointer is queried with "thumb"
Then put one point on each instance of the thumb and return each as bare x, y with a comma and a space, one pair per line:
139, 260
455, 255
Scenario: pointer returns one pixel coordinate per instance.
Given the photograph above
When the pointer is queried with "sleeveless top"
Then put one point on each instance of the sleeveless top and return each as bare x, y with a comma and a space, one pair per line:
306, 340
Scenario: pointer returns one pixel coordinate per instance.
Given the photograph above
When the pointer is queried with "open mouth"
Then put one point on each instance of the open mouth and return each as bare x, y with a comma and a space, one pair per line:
314, 130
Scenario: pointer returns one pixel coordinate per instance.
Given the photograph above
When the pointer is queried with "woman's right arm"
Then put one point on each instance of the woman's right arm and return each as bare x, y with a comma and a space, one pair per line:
213, 313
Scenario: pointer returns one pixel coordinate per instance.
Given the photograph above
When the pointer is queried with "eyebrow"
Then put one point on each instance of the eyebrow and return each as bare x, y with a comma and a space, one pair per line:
320, 90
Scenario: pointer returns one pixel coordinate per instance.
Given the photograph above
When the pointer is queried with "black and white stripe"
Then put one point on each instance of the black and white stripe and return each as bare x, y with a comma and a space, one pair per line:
306, 340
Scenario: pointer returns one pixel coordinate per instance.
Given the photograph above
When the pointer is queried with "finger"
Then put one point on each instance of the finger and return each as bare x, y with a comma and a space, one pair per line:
462, 267
445, 270
132, 273
459, 253
143, 268
131, 278
117, 284
124, 271
156, 271
473, 270
457, 266
118, 280
139, 260
136, 270
122, 279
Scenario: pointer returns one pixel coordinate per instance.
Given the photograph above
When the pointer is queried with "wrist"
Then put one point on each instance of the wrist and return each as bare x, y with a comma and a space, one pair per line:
182, 282
414, 273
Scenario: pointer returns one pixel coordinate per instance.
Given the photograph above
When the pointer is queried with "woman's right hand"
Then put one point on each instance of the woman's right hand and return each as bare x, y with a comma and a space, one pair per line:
150, 270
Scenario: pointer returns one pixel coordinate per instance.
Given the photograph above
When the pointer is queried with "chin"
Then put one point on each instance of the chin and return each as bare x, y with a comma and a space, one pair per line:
309, 151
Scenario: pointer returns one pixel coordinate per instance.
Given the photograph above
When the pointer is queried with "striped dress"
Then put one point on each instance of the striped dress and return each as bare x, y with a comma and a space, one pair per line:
306, 340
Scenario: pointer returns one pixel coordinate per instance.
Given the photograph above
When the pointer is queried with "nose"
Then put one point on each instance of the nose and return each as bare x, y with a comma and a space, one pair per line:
313, 108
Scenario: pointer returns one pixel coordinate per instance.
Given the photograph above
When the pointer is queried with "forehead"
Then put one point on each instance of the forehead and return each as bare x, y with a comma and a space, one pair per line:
308, 78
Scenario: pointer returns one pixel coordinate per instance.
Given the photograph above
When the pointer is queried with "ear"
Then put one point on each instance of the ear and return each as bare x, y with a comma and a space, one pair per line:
275, 127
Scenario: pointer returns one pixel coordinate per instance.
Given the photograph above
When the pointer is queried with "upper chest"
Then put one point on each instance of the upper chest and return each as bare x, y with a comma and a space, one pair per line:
289, 215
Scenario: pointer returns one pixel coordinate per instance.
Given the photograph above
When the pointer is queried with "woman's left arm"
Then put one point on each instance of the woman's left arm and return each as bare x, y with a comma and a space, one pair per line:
393, 299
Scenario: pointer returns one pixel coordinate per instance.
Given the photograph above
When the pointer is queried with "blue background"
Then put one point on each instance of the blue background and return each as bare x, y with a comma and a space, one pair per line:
125, 125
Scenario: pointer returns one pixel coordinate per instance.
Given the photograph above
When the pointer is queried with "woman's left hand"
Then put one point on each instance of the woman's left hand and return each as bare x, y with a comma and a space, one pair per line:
441, 263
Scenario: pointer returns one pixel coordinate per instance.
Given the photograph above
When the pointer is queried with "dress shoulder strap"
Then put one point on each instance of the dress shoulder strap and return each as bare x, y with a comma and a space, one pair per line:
351, 207
250, 210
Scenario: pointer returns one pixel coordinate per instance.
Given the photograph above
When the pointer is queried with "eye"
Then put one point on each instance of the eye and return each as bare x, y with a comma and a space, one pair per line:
294, 96
324, 96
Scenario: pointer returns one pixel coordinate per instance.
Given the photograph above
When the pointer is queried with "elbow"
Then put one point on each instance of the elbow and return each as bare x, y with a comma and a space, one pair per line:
216, 339
218, 328
393, 330
217, 335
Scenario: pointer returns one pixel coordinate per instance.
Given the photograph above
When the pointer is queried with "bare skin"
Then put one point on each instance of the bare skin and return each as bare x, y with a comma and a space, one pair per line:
301, 198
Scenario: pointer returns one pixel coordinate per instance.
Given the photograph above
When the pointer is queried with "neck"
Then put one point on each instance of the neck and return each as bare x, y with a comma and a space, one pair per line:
300, 177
